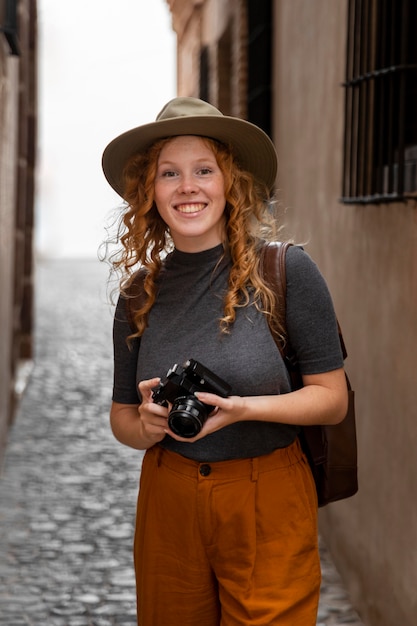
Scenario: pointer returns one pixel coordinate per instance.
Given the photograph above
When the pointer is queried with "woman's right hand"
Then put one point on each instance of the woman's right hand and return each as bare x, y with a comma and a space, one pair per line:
154, 417
142, 425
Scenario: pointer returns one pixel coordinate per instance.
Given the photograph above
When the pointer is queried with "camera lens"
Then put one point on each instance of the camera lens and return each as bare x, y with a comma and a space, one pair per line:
187, 416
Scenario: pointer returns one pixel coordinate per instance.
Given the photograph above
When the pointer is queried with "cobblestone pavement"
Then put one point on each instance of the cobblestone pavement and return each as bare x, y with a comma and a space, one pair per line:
68, 489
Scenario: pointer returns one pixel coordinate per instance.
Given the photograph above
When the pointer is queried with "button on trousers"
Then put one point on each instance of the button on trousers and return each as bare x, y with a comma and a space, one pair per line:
230, 543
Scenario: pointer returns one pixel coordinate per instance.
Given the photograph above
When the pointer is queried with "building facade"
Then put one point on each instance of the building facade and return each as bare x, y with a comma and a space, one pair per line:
18, 114
335, 85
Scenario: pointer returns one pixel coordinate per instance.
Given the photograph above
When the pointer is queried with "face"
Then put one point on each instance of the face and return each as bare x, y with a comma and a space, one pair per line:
189, 194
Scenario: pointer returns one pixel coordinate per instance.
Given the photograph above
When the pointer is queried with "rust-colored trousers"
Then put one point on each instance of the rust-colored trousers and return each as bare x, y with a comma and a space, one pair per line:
232, 543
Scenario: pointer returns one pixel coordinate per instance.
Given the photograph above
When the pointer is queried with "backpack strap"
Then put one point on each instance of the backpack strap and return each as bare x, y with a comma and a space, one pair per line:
274, 272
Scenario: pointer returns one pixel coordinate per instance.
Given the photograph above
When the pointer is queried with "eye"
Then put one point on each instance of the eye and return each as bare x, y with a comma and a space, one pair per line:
167, 174
203, 171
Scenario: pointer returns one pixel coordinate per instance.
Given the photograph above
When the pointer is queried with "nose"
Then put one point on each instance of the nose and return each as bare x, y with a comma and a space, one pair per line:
187, 184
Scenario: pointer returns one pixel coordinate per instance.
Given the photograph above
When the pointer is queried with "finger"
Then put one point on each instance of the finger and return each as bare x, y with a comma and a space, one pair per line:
146, 387
158, 421
153, 409
212, 399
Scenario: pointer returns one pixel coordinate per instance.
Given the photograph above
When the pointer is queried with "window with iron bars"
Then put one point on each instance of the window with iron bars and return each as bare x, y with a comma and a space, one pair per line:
380, 159
9, 24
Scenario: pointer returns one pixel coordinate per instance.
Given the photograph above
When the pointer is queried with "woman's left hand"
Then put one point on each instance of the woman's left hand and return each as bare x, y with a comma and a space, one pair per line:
227, 411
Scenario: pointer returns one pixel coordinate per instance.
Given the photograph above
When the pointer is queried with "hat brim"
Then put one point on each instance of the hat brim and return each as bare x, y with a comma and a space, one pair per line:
252, 147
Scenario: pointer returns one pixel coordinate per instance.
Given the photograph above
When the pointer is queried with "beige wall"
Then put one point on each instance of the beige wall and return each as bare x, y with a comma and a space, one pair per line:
369, 257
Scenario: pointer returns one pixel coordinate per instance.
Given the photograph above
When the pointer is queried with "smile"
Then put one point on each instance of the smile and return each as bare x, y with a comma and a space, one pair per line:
190, 208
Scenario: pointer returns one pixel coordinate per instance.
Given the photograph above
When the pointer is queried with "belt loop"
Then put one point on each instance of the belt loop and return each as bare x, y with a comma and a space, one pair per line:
255, 468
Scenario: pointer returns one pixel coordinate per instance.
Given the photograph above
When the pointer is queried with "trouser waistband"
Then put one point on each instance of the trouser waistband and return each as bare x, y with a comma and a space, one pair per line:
233, 469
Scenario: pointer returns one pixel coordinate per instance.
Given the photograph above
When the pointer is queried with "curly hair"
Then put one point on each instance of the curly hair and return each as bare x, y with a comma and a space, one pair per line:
145, 237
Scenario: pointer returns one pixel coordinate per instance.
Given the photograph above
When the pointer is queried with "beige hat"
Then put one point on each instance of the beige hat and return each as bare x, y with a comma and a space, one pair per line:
189, 116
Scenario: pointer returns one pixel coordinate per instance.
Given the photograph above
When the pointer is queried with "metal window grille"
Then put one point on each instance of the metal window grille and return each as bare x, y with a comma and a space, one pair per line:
225, 69
380, 160
9, 24
259, 15
204, 74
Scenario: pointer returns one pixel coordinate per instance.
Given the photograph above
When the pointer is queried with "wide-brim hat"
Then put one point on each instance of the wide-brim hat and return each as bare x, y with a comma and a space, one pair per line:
252, 147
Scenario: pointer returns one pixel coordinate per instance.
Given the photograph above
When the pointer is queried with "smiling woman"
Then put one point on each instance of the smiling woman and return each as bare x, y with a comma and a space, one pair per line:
209, 546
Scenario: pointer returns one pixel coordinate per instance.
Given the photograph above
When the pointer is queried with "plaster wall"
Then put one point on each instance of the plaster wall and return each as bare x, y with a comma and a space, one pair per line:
368, 255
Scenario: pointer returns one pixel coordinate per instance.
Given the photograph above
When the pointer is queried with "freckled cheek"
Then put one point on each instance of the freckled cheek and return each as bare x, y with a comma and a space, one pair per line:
161, 199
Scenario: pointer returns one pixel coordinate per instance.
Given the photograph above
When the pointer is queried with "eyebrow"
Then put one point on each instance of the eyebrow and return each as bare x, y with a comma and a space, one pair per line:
198, 160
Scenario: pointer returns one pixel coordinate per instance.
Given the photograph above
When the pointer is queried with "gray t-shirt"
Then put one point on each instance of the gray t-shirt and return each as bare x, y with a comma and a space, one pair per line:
184, 323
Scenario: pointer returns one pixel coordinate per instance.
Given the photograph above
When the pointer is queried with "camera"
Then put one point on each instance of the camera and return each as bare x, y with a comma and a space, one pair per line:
188, 414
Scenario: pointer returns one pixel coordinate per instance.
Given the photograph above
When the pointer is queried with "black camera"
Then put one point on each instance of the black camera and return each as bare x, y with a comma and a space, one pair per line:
188, 414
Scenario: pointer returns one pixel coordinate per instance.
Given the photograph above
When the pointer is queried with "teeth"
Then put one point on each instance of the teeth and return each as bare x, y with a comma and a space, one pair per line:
190, 208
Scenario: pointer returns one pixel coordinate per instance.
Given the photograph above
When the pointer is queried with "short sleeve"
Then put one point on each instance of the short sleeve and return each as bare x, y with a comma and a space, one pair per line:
310, 316
125, 358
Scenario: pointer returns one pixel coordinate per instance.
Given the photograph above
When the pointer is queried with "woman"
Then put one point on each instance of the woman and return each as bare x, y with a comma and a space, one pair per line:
226, 529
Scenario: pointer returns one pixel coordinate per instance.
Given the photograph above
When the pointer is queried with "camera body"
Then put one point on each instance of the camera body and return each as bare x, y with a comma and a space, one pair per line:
188, 414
